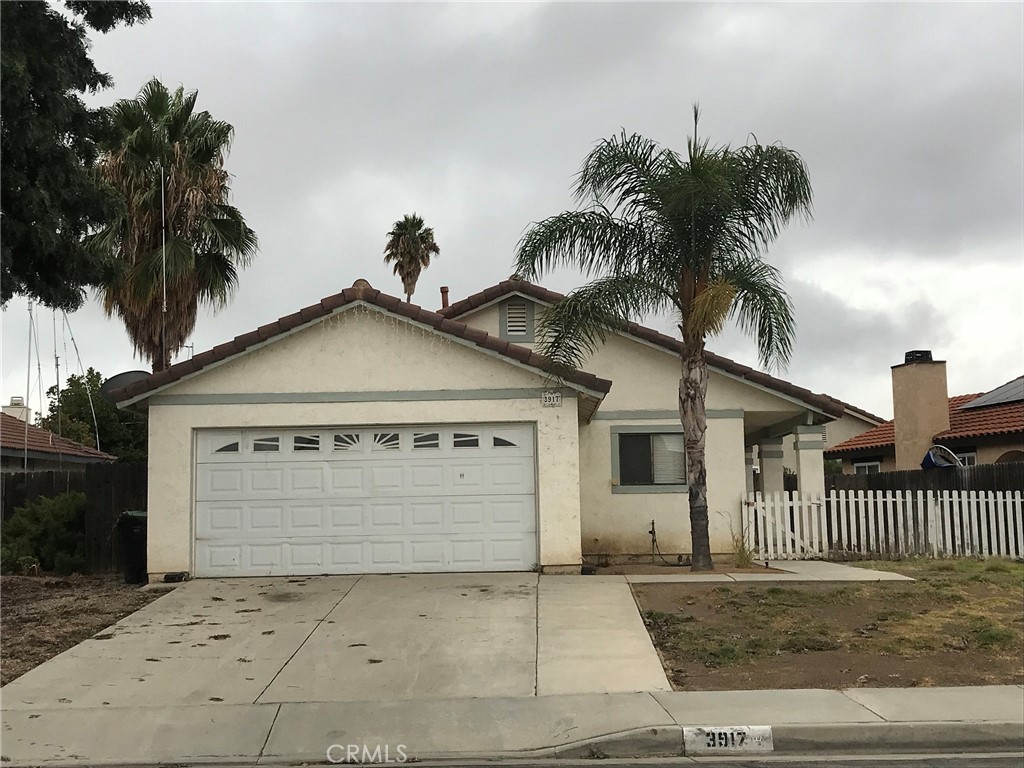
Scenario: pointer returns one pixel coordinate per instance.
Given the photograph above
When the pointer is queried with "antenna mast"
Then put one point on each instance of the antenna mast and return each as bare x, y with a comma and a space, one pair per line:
163, 271
56, 368
28, 384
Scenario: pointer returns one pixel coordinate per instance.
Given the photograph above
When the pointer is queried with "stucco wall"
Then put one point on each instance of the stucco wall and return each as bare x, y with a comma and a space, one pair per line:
361, 350
618, 523
646, 378
850, 425
358, 353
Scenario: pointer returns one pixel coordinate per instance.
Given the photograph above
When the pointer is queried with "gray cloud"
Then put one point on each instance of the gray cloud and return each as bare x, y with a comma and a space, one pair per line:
910, 117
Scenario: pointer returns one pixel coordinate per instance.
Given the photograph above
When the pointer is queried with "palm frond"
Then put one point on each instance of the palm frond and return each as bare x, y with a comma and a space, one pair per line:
593, 241
573, 328
623, 174
771, 187
762, 308
710, 309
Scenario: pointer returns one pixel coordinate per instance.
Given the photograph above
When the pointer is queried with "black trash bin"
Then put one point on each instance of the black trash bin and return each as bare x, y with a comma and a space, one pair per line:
131, 526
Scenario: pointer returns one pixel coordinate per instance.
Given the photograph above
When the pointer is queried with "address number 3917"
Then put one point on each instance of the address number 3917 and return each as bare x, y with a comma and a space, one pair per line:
731, 739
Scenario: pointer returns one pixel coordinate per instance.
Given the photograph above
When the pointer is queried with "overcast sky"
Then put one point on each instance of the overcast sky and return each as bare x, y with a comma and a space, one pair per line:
347, 116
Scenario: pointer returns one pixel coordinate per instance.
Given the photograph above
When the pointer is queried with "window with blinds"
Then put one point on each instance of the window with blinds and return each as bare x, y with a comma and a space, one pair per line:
515, 318
652, 459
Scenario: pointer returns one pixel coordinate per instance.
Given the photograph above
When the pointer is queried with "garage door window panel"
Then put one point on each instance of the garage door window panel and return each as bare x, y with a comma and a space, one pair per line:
266, 444
347, 441
421, 440
306, 443
387, 441
465, 440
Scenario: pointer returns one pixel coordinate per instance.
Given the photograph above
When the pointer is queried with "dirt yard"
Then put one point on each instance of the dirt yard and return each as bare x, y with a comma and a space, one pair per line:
41, 616
961, 623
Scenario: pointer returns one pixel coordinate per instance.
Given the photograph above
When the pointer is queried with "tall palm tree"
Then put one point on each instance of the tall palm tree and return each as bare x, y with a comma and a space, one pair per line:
166, 162
410, 246
688, 235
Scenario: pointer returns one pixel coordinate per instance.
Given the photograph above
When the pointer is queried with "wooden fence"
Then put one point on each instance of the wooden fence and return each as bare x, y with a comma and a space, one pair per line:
885, 524
981, 477
109, 490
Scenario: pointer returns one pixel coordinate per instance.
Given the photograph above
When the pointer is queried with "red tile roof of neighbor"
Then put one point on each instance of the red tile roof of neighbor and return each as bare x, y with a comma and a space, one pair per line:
829, 405
13, 437
361, 290
1003, 419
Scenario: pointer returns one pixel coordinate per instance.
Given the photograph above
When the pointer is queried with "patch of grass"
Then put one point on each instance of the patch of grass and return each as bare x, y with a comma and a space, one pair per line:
804, 643
1003, 571
894, 614
982, 632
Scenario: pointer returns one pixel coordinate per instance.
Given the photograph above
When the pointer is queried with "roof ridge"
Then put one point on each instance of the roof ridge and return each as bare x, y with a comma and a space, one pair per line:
360, 291
826, 403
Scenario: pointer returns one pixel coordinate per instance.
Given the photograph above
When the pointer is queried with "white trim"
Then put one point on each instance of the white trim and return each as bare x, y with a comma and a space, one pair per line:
491, 303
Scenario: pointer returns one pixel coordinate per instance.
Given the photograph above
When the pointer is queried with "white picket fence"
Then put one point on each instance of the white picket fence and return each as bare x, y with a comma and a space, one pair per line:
885, 524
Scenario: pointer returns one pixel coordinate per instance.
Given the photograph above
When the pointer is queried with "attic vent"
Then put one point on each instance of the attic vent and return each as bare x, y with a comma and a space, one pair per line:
515, 319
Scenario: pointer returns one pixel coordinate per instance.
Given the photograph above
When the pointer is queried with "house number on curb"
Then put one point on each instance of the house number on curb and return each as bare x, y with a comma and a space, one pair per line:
727, 739
551, 398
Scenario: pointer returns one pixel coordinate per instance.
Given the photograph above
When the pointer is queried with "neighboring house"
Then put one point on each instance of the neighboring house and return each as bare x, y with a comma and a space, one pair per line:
983, 428
24, 446
365, 434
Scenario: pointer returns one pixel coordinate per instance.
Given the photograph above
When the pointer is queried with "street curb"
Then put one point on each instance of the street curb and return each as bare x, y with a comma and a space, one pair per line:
949, 736
667, 741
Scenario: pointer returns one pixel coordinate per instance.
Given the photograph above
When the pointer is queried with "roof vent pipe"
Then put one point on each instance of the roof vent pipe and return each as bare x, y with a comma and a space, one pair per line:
444, 296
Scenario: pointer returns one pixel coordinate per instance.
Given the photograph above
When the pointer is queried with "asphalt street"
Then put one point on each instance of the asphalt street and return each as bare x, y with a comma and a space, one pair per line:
817, 761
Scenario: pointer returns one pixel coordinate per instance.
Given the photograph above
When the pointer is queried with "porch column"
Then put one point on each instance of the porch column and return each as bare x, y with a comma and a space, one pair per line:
770, 449
748, 471
810, 464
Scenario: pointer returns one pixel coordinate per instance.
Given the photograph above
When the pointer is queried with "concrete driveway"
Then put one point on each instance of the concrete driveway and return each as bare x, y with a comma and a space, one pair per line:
359, 638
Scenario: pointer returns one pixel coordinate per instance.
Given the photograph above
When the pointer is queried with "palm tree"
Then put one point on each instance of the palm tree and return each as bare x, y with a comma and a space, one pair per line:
165, 161
661, 232
410, 246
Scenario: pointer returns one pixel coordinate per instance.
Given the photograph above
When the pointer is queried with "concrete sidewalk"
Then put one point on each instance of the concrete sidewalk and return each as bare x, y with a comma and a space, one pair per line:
791, 570
617, 725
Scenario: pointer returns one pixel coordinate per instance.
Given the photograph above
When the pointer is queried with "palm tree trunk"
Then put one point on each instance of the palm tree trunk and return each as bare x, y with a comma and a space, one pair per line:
693, 389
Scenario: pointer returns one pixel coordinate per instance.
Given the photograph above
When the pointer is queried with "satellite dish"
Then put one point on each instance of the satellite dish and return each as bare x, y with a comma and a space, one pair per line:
940, 456
120, 381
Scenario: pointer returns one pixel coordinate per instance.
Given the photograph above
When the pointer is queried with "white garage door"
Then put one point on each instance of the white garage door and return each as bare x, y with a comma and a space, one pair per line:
365, 500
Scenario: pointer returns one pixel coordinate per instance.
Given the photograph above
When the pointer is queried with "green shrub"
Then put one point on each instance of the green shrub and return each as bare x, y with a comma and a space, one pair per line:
50, 530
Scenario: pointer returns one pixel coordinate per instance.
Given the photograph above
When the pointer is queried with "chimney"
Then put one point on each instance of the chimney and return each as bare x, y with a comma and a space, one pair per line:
18, 409
920, 404
444, 296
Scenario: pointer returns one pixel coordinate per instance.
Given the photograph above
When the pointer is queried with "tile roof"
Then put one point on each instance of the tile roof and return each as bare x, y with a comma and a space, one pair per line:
13, 437
829, 405
1007, 418
1002, 419
361, 290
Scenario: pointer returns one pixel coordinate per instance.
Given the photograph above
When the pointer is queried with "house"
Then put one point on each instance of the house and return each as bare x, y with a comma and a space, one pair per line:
26, 447
365, 434
981, 428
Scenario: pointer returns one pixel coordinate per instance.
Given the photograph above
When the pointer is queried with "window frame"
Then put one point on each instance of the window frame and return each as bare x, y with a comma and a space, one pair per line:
964, 455
873, 463
642, 429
